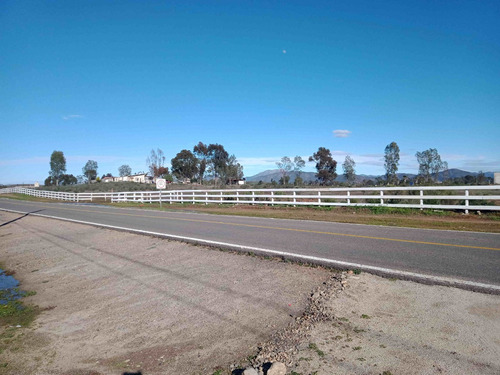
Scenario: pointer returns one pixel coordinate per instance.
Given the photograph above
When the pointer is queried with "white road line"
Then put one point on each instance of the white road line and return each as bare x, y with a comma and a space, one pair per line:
405, 275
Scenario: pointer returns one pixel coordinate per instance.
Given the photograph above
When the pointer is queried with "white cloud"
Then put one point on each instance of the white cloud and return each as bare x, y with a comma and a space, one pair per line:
69, 117
339, 133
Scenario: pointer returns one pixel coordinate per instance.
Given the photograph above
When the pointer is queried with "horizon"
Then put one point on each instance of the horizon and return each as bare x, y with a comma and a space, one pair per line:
109, 82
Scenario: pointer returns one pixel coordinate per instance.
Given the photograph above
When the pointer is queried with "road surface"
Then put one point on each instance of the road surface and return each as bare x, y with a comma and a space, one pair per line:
470, 258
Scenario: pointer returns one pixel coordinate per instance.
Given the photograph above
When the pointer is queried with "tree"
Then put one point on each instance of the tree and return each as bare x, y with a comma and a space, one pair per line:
184, 165
325, 165
285, 165
49, 181
125, 170
298, 181
298, 165
156, 163
57, 166
234, 170
349, 171
202, 154
430, 163
391, 162
218, 160
90, 170
68, 179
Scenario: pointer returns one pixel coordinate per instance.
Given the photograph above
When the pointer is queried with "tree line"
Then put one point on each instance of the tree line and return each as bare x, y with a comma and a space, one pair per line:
213, 163
57, 175
210, 161
430, 164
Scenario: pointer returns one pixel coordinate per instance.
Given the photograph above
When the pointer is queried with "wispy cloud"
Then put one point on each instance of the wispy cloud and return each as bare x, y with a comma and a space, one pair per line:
70, 117
27, 161
339, 133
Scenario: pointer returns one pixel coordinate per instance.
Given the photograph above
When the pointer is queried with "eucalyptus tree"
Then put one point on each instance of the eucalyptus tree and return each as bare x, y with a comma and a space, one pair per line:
430, 163
349, 171
391, 163
57, 166
325, 166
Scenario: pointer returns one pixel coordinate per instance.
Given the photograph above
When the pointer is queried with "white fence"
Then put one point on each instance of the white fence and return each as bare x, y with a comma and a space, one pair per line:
480, 198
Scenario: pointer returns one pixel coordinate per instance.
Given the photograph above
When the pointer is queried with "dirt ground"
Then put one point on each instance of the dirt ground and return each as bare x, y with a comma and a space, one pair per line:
382, 326
117, 302
123, 301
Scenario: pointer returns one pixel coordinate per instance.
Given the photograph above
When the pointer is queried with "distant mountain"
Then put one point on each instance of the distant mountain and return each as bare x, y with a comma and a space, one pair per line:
274, 174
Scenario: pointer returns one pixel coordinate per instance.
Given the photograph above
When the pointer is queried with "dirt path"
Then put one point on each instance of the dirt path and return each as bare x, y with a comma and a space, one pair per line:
122, 302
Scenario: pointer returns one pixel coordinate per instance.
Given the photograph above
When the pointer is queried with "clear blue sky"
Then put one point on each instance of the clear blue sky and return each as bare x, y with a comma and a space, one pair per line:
110, 80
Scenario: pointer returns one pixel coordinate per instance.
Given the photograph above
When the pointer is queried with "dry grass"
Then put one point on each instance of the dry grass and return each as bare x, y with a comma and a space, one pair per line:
412, 218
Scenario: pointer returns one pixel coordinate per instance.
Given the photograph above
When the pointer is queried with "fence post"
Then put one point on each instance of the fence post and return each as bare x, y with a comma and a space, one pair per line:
348, 199
253, 198
294, 199
237, 196
319, 195
193, 197
466, 202
220, 197
381, 197
272, 198
206, 198
421, 200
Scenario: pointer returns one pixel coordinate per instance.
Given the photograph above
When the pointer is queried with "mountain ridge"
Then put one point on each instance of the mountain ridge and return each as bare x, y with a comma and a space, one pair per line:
269, 175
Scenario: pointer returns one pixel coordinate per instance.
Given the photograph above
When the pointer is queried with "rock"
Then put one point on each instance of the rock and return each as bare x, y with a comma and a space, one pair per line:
277, 368
250, 371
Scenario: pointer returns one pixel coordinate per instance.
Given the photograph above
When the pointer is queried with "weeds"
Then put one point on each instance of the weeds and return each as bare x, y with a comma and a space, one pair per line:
315, 348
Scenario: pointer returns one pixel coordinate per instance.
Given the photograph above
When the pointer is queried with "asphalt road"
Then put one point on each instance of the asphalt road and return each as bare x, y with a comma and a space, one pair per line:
466, 256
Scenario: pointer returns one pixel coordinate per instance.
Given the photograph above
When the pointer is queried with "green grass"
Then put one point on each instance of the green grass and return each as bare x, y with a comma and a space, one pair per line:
315, 348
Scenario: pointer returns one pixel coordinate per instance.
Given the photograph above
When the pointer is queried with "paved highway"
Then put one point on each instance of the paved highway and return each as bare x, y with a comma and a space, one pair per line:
468, 257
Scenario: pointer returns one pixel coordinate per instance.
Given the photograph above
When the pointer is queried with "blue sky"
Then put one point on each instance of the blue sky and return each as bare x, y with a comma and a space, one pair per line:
110, 80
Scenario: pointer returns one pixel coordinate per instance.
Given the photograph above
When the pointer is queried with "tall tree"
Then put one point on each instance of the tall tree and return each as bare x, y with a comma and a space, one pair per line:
156, 163
325, 165
285, 165
57, 166
218, 160
298, 165
202, 154
90, 170
125, 170
391, 162
234, 170
349, 171
184, 165
430, 163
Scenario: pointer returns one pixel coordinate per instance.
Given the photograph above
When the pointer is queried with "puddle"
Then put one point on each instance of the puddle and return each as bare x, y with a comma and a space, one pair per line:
9, 289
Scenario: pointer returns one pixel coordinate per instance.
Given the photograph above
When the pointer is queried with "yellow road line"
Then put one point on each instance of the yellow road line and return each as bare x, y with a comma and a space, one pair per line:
282, 229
